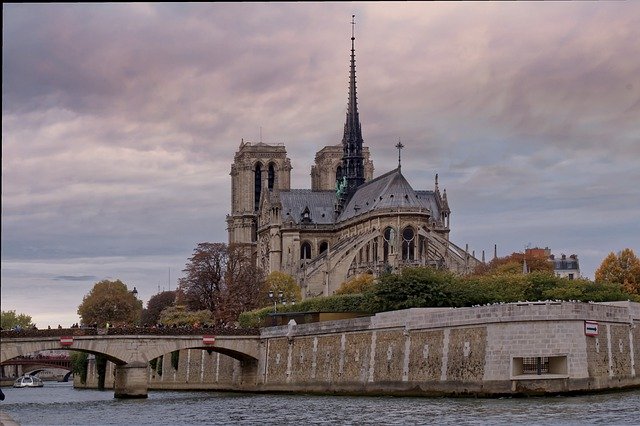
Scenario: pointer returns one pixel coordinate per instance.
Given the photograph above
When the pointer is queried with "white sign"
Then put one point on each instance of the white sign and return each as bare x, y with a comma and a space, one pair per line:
590, 328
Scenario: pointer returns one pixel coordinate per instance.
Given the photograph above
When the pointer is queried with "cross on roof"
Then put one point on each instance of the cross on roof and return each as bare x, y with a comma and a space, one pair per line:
399, 146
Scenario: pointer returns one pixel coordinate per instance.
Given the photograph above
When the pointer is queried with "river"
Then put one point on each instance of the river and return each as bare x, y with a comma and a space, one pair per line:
61, 404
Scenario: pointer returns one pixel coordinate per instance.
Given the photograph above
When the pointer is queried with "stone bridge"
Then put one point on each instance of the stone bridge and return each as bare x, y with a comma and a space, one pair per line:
131, 353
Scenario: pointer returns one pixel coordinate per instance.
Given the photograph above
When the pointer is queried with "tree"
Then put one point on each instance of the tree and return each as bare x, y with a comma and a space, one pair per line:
244, 287
156, 304
9, 320
204, 277
280, 282
223, 280
110, 302
180, 316
357, 285
514, 263
623, 268
413, 288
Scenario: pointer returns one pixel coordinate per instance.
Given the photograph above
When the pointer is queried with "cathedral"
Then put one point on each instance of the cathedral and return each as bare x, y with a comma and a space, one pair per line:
348, 223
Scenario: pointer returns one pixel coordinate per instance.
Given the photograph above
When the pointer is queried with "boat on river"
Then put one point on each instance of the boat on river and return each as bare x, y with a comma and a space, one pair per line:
28, 381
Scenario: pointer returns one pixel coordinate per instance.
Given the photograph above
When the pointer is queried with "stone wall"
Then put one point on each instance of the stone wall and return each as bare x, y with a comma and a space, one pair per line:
476, 351
432, 351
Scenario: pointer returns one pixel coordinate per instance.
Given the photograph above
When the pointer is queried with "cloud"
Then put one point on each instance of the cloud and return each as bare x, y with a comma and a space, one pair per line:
120, 121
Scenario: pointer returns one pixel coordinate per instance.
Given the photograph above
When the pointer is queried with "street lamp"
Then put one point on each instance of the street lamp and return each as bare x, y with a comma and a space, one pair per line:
280, 298
134, 292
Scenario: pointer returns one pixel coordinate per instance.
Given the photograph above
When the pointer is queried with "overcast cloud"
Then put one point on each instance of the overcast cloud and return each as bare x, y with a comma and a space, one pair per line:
120, 122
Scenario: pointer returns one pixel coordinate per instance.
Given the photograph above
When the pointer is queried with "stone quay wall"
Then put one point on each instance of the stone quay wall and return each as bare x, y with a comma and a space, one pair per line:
483, 351
504, 349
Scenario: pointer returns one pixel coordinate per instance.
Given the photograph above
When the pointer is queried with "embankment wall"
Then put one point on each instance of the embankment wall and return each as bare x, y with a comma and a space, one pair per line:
508, 349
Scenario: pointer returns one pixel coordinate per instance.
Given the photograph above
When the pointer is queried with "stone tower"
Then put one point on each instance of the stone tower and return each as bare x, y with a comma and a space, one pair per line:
256, 168
326, 171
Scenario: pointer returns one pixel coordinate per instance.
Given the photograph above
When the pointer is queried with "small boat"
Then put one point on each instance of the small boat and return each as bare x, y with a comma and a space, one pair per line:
28, 381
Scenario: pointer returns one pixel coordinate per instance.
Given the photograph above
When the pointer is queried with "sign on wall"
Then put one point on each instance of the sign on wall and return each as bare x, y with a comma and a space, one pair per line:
208, 340
66, 340
591, 328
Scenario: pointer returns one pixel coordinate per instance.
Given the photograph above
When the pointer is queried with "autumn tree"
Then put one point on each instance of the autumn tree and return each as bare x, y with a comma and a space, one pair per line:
623, 268
156, 304
357, 285
110, 302
9, 320
279, 282
514, 264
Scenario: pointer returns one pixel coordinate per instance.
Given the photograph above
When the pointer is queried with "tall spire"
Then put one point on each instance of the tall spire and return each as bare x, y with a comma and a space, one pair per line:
352, 158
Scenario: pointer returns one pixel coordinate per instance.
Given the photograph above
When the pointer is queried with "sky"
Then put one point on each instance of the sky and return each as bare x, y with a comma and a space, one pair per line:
120, 123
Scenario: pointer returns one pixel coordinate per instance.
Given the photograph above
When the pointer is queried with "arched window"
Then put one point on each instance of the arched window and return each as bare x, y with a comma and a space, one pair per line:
389, 237
305, 251
408, 243
271, 178
324, 246
257, 184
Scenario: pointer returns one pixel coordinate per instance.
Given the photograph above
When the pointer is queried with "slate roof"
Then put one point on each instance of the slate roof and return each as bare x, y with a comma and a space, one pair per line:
320, 204
390, 190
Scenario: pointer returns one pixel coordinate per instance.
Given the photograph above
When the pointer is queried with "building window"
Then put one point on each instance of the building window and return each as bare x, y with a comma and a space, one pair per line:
389, 237
570, 276
305, 251
258, 184
338, 175
324, 246
271, 176
408, 243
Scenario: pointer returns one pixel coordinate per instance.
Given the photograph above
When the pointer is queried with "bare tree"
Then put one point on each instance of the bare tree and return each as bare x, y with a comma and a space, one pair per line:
221, 279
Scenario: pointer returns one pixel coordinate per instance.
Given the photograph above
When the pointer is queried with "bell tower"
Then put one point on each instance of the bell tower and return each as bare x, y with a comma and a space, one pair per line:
256, 168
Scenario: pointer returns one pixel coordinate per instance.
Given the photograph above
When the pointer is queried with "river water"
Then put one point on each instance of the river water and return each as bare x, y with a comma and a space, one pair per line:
60, 404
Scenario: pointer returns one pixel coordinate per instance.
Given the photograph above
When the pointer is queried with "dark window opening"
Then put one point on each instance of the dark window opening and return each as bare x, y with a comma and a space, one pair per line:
271, 177
258, 185
305, 251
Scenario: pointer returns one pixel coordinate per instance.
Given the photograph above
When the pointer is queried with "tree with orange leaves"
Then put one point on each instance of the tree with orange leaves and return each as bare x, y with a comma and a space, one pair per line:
622, 268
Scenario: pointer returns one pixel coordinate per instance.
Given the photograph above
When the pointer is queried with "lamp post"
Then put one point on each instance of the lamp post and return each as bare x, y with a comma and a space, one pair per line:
134, 292
280, 298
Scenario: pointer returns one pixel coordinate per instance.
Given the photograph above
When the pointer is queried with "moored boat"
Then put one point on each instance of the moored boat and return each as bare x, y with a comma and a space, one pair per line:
28, 381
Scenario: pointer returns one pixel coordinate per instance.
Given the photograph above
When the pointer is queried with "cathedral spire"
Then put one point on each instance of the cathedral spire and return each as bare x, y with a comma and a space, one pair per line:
352, 158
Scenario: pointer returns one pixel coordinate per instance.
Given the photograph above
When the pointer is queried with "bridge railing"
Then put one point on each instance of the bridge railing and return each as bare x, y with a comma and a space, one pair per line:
128, 331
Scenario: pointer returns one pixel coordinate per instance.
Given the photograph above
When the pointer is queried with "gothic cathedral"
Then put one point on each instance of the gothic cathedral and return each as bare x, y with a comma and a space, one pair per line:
347, 224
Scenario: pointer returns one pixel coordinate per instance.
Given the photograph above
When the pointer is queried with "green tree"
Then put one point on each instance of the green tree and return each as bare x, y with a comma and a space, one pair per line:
413, 287
156, 304
79, 364
110, 302
623, 268
9, 320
